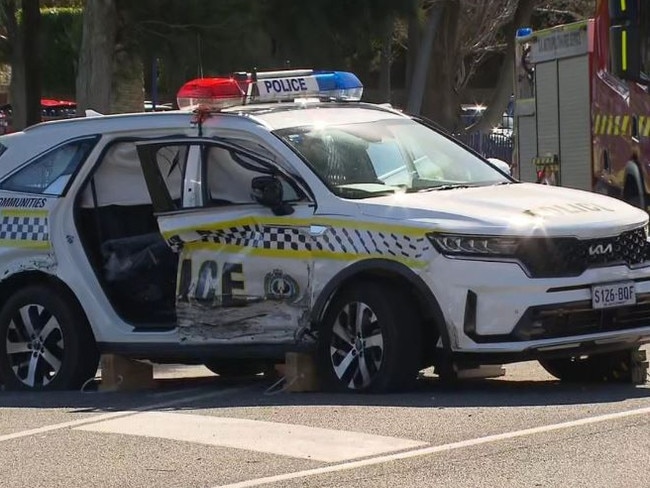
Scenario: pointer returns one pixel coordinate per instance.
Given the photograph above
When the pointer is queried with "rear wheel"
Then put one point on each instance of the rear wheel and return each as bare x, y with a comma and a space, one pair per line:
618, 366
45, 341
370, 340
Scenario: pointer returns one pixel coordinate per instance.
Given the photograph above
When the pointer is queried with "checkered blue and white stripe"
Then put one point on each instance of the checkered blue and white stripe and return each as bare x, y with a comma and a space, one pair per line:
24, 228
338, 240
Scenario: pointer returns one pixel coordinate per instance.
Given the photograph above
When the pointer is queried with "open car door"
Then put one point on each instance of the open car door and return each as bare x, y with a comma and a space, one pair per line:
241, 227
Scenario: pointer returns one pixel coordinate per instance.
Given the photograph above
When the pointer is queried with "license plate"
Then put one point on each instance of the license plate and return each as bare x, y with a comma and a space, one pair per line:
613, 295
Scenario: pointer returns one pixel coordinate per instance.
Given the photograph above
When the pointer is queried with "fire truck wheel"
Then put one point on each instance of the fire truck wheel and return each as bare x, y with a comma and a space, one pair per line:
633, 192
618, 366
45, 341
370, 340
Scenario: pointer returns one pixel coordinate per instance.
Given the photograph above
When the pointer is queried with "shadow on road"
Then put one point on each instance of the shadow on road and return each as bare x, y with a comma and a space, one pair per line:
254, 392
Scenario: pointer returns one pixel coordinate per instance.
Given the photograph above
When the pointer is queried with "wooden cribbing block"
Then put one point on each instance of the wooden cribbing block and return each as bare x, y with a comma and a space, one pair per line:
482, 372
123, 374
300, 372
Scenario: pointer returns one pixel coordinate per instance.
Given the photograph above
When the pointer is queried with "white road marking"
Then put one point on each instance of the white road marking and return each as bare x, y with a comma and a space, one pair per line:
293, 440
437, 449
123, 413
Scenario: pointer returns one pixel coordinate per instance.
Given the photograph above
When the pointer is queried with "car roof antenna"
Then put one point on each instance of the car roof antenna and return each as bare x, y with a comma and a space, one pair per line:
93, 113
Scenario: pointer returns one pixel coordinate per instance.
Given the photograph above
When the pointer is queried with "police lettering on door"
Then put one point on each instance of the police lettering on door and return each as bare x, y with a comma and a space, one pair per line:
212, 282
283, 88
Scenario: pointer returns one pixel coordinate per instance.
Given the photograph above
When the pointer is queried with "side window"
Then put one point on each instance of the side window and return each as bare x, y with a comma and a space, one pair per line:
119, 180
229, 176
171, 162
196, 175
49, 173
253, 147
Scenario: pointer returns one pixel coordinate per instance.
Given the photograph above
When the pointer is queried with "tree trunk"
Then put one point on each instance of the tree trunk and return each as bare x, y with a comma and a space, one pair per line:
499, 99
95, 76
128, 67
128, 82
419, 79
413, 45
441, 102
386, 60
31, 29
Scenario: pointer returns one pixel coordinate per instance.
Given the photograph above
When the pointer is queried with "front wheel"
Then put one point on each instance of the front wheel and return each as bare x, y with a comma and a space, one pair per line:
45, 341
370, 340
619, 366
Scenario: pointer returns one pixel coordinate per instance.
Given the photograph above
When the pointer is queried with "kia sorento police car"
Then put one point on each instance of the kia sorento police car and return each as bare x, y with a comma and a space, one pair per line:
279, 213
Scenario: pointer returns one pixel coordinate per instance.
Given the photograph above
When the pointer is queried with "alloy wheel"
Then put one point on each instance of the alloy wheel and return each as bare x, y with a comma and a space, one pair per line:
356, 346
35, 346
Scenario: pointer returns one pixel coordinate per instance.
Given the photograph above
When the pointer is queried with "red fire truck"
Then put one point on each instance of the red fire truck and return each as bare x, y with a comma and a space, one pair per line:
51, 109
582, 106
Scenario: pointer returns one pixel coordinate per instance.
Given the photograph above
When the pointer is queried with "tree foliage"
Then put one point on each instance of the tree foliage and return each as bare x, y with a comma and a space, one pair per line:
32, 63
61, 41
170, 41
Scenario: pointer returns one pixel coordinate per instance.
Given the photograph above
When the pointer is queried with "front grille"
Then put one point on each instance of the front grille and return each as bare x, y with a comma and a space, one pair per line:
578, 318
568, 256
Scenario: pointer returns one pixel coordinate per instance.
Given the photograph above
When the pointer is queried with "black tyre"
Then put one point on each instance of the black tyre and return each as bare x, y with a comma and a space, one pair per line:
370, 340
634, 192
233, 368
45, 341
613, 367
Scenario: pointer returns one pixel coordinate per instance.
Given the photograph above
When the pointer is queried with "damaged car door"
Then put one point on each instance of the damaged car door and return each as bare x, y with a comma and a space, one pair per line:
241, 229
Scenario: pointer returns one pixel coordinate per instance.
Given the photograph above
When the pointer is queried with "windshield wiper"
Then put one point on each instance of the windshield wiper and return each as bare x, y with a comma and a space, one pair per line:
440, 188
361, 193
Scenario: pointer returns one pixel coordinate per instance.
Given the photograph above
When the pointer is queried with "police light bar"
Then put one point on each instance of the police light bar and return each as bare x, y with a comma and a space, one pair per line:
270, 86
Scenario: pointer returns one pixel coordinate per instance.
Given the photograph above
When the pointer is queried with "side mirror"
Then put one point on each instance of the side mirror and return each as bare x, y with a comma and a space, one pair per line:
267, 191
625, 52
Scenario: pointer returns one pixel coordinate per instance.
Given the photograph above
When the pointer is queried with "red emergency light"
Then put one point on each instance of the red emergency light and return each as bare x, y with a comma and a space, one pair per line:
215, 93
49, 102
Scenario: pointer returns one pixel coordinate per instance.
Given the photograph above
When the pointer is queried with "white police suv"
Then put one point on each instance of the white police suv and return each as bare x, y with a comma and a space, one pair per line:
278, 213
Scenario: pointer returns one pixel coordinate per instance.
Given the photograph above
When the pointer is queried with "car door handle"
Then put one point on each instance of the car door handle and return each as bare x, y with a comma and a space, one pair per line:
308, 230
318, 230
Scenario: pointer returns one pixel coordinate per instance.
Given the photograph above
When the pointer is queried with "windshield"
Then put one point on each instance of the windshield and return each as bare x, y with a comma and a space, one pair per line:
369, 159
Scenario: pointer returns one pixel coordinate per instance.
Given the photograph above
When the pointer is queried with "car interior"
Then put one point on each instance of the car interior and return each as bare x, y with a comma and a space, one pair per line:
116, 223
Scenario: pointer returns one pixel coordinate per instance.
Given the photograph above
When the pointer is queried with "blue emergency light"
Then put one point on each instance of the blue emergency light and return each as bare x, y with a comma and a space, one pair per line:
524, 32
270, 86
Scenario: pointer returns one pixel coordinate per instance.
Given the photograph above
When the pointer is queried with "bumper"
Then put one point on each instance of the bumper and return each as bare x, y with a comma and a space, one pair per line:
493, 307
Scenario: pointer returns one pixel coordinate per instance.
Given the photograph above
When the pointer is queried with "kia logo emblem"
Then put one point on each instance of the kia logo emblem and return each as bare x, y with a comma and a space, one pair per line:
600, 249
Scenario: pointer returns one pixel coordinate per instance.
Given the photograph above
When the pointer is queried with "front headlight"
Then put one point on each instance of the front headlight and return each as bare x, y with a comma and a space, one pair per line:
466, 245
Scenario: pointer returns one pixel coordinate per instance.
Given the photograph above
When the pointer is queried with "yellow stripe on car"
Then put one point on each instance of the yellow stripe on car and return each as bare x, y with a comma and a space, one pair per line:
291, 254
291, 238
24, 228
288, 221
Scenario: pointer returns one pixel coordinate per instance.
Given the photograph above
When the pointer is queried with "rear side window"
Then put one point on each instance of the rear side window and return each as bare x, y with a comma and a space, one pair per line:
49, 173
